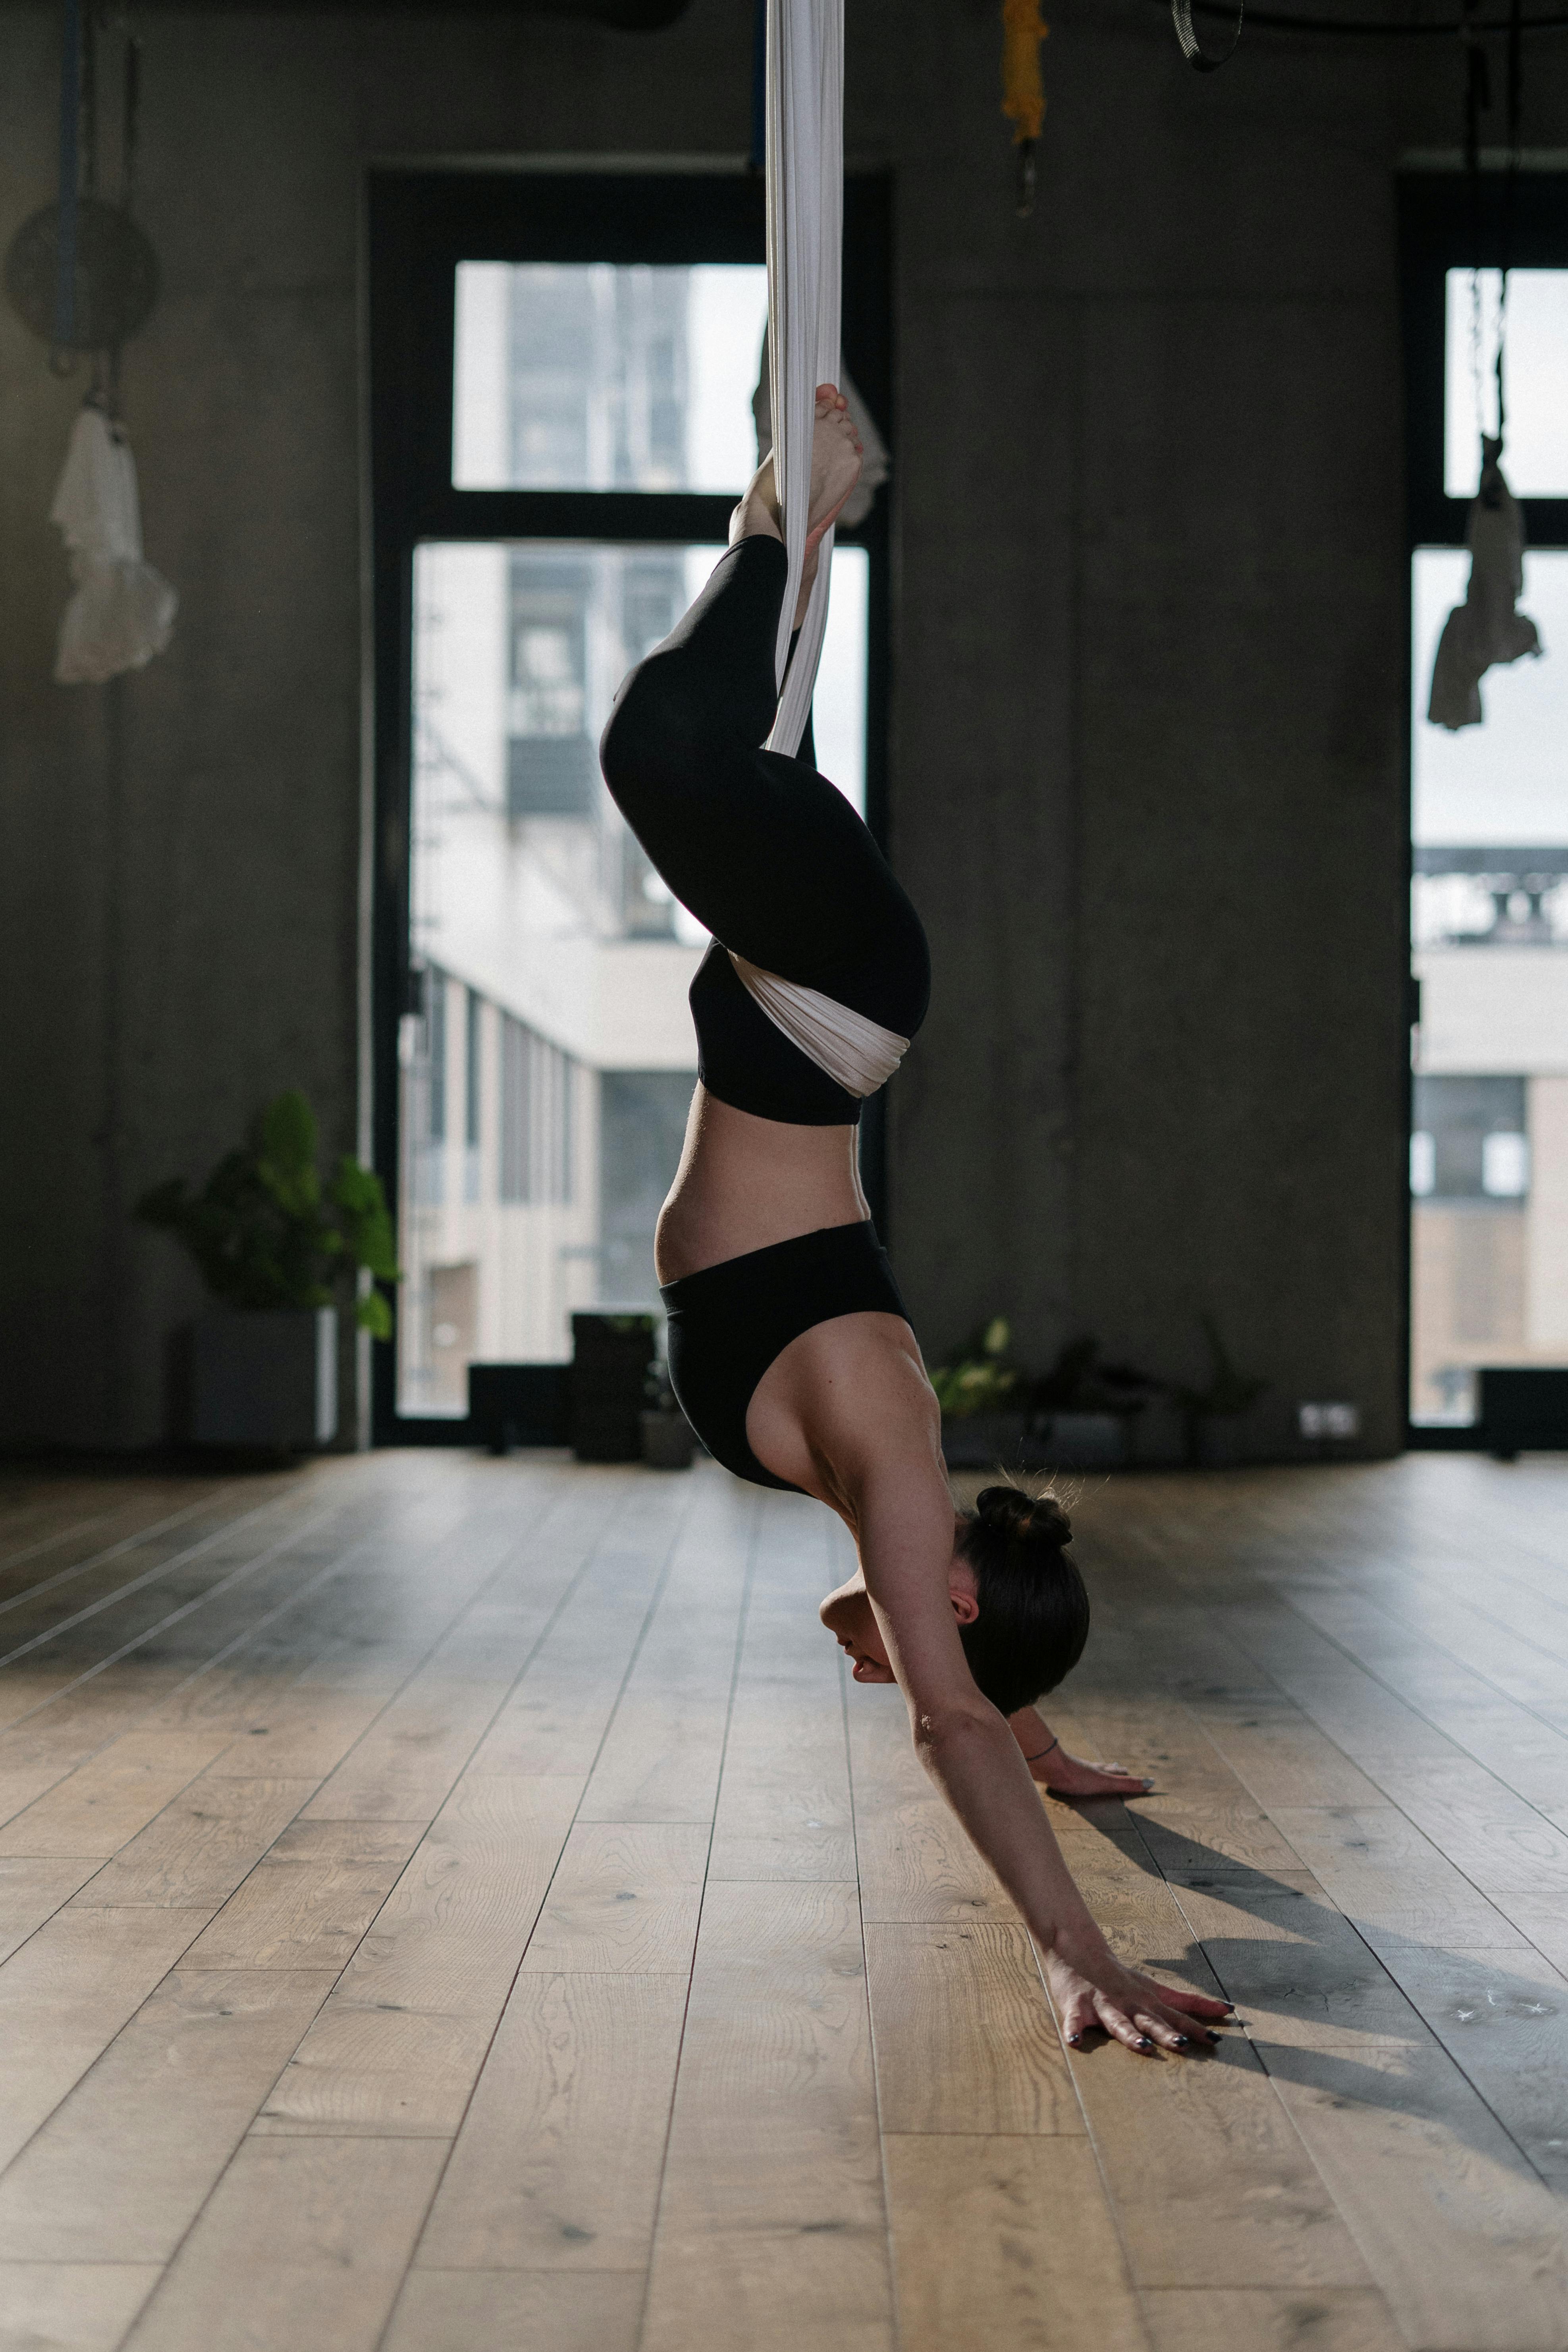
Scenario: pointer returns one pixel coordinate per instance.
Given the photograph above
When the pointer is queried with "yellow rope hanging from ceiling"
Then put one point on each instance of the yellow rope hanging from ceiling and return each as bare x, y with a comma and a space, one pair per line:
1022, 91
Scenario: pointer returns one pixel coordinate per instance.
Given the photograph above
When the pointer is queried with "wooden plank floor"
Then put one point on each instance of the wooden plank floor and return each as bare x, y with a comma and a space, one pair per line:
447, 1903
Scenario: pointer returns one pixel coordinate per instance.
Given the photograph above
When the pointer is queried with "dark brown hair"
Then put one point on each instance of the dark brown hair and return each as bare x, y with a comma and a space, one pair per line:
1033, 1611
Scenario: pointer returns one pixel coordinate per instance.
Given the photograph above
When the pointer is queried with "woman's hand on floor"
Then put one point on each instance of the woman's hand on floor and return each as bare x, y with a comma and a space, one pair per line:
1092, 1993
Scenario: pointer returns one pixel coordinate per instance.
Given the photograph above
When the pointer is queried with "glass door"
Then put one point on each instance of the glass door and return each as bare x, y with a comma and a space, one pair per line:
599, 406
1488, 1148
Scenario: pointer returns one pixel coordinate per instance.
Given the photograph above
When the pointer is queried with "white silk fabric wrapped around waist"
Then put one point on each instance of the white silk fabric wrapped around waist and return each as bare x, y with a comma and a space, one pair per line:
857, 1054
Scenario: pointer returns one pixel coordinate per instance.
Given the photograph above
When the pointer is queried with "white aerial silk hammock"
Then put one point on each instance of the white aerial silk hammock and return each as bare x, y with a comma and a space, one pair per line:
806, 236
856, 1052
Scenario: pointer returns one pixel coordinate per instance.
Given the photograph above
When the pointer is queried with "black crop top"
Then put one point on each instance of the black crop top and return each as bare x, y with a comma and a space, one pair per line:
744, 1059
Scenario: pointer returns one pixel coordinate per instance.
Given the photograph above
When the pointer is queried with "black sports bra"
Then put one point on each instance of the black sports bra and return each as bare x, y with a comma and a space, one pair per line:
729, 1322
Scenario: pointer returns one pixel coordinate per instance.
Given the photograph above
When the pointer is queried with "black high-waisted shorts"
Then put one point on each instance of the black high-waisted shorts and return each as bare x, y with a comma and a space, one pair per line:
729, 1322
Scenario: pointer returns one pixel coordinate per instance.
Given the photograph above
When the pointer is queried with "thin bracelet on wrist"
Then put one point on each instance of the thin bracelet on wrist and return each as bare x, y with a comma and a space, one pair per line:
1044, 1751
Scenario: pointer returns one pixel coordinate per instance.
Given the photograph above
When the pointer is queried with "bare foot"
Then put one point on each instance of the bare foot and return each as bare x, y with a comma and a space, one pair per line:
1062, 1775
835, 459
835, 456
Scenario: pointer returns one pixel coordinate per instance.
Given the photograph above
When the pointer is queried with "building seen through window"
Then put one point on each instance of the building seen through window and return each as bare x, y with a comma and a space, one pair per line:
548, 1065
593, 376
1488, 1154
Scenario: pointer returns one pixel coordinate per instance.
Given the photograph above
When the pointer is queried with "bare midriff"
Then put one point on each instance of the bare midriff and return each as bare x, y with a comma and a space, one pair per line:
744, 1184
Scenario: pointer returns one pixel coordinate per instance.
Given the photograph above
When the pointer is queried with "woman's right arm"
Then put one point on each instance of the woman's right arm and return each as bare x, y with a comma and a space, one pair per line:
972, 1754
904, 1520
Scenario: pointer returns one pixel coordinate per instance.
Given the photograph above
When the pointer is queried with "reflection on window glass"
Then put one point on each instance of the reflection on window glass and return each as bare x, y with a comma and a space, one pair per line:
555, 963
1535, 457
1489, 1158
593, 376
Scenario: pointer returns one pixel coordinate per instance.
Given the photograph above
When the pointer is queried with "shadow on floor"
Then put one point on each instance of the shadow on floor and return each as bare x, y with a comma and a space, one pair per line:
1323, 2009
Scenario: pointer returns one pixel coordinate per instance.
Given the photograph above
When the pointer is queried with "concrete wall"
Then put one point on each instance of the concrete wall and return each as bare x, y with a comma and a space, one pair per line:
1147, 783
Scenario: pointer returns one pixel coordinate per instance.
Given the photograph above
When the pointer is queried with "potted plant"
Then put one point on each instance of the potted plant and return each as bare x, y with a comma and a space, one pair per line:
274, 1246
1210, 1416
979, 1392
612, 1356
668, 1440
1084, 1410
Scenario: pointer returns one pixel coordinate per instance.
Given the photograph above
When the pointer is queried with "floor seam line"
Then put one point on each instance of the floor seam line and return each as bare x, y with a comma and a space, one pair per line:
248, 2133
661, 1582
753, 1544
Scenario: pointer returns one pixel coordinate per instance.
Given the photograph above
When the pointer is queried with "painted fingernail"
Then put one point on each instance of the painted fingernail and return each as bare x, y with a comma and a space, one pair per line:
1143, 2043
1183, 2040
1214, 2039
1075, 2042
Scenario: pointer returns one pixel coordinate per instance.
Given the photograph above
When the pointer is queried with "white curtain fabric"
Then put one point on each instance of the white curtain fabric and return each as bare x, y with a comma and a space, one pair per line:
805, 230
123, 612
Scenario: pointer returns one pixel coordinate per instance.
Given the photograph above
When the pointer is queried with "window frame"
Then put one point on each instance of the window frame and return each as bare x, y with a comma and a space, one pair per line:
420, 222
1442, 227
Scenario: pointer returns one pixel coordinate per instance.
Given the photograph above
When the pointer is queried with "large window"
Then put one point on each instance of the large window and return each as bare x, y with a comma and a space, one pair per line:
1488, 1149
565, 373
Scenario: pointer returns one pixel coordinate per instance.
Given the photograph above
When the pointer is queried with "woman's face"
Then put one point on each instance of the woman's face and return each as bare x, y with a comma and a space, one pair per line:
849, 1617
846, 1614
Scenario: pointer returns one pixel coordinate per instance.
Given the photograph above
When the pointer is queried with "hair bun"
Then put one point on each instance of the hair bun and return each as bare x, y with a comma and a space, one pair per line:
1041, 1521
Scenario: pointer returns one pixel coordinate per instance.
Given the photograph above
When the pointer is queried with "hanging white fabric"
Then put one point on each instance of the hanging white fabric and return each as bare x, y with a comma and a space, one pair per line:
856, 1053
805, 231
123, 612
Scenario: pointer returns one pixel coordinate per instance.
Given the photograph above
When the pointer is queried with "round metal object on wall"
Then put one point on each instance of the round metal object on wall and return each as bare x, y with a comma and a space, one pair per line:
116, 276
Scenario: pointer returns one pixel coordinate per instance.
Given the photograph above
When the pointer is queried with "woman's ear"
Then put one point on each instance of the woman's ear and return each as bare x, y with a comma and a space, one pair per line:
965, 1607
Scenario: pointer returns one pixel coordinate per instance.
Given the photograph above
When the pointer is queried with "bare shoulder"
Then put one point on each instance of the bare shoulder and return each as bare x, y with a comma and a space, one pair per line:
843, 1396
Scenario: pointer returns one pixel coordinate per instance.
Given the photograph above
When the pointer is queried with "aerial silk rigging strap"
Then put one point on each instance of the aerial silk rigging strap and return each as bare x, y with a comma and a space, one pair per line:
71, 133
805, 232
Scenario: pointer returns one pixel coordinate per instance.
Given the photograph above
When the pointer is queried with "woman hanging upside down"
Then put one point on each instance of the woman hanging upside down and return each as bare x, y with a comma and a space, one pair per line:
789, 1347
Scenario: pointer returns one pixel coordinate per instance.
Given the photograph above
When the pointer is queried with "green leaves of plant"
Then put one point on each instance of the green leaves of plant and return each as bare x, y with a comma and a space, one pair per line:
284, 1140
982, 1378
261, 1233
360, 1203
373, 1314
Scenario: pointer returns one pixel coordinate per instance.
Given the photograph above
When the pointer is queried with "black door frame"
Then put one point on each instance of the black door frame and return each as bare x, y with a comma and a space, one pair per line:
421, 223
1444, 225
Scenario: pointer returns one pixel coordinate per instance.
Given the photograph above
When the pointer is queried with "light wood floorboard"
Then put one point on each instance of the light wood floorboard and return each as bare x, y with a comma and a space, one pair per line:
446, 1902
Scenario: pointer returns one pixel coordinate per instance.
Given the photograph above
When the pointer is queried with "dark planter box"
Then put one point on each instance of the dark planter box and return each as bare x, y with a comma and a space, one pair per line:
1215, 1442
669, 1441
520, 1404
987, 1441
265, 1377
1087, 1441
611, 1359
1524, 1408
